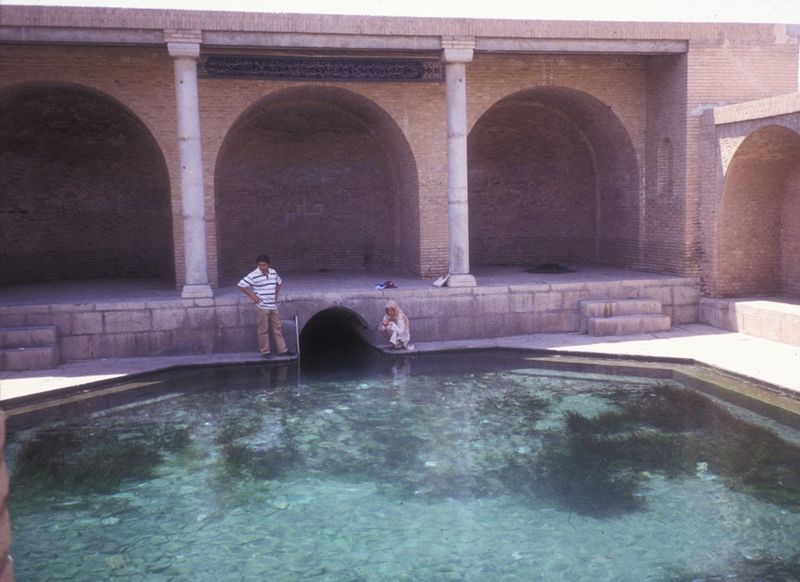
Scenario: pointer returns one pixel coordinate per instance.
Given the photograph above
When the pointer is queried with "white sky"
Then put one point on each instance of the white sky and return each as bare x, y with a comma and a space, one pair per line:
777, 11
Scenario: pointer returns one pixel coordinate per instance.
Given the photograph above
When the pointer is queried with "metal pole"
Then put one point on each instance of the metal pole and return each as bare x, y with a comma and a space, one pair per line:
297, 338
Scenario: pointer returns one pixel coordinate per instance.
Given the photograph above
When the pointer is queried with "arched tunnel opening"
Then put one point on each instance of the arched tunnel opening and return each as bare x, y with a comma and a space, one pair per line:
337, 337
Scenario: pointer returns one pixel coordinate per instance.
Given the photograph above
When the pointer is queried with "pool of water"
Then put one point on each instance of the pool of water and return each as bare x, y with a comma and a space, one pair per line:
475, 466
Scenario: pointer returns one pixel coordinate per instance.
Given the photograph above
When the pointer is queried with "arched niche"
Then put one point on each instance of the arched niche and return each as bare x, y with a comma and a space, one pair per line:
553, 178
759, 222
84, 187
320, 178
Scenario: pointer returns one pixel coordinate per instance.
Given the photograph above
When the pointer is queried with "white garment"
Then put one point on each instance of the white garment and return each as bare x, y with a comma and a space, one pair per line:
398, 328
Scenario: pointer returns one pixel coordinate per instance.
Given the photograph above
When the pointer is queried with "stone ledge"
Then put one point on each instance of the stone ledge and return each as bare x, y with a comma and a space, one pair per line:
627, 324
774, 320
152, 327
35, 358
28, 336
762, 108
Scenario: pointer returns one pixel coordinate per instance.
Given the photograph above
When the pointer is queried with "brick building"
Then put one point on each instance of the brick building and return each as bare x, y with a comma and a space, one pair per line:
583, 143
177, 145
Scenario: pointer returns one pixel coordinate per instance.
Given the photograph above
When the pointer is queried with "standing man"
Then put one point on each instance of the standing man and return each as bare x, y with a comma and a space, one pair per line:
262, 286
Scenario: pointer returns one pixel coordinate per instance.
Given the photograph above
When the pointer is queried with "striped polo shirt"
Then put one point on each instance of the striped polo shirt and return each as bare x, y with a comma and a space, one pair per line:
265, 286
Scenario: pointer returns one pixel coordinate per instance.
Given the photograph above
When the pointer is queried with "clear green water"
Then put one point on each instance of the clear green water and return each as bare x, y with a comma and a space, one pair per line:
456, 467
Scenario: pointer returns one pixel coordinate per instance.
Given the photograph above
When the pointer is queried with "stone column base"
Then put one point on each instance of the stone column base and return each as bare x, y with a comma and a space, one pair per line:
463, 280
196, 291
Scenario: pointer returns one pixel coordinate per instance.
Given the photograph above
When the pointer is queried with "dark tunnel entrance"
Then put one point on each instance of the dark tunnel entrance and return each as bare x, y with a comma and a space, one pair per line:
336, 337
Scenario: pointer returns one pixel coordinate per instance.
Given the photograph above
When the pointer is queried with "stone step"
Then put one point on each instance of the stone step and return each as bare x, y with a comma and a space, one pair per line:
32, 347
33, 358
28, 336
614, 307
627, 324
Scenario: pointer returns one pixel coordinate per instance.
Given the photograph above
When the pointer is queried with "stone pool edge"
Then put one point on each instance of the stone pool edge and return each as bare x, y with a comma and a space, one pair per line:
778, 402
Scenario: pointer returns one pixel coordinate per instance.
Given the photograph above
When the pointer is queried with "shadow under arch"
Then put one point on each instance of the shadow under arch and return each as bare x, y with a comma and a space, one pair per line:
85, 188
553, 177
321, 178
759, 222
337, 337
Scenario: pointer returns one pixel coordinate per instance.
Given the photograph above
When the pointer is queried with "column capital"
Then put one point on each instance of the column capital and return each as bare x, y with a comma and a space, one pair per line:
458, 49
183, 50
183, 43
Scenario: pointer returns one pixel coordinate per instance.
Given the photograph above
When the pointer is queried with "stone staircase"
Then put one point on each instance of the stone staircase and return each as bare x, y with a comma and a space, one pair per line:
29, 347
603, 317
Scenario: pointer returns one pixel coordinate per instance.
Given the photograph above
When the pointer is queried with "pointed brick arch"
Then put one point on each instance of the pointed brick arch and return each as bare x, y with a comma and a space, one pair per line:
553, 178
85, 188
759, 225
321, 178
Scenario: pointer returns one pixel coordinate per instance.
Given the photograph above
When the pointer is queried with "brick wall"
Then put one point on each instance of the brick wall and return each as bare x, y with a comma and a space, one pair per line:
790, 232
82, 181
751, 162
709, 186
363, 164
544, 127
553, 155
405, 113
89, 164
721, 71
532, 195
664, 220
758, 227
322, 179
749, 235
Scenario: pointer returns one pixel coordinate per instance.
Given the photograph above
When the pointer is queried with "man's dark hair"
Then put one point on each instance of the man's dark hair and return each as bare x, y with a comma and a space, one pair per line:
263, 258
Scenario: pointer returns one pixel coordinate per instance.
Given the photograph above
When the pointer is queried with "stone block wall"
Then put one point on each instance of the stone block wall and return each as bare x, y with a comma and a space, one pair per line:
774, 321
227, 323
145, 328
480, 312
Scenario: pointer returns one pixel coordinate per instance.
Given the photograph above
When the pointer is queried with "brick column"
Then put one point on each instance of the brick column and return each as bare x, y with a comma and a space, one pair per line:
456, 53
6, 564
185, 56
